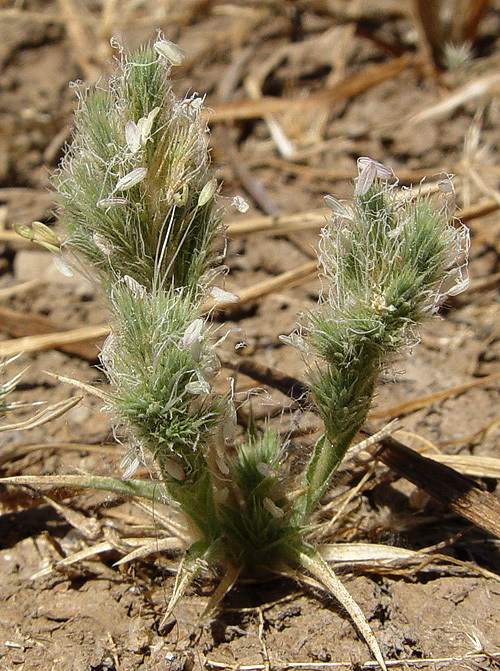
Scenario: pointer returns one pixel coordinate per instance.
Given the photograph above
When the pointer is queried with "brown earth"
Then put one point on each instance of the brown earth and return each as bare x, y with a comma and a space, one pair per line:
96, 616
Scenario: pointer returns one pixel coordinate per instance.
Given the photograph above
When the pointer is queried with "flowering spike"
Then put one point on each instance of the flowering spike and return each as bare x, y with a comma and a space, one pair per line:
389, 266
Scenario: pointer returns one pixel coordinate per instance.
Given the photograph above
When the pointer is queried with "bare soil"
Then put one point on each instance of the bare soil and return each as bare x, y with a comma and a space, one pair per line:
96, 616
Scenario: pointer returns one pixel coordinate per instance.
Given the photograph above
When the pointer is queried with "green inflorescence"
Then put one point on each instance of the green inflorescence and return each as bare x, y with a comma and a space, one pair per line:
140, 207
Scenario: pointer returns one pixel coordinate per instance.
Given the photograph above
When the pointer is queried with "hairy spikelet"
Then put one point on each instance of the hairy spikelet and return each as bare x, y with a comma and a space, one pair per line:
258, 519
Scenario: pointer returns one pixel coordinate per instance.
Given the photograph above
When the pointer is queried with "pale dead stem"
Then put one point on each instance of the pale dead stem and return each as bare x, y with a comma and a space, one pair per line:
429, 662
44, 415
15, 452
406, 407
16, 289
348, 88
467, 464
160, 545
83, 386
38, 343
479, 89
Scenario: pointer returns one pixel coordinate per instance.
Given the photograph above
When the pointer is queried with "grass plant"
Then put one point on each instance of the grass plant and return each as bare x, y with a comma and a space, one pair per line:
141, 212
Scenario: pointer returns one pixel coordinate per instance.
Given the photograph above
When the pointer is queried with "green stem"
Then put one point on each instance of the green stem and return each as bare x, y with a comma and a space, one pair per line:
343, 397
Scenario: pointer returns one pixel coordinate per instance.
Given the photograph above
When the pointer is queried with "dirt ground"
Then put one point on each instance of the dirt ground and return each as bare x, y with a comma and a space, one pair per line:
94, 615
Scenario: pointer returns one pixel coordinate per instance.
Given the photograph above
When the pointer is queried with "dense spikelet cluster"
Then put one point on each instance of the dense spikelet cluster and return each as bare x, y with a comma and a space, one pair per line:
388, 261
162, 370
135, 193
260, 522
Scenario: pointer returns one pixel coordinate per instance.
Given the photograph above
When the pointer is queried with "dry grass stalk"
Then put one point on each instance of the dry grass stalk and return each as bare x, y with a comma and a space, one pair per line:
481, 88
82, 555
401, 409
332, 174
384, 560
18, 451
427, 20
26, 15
253, 109
37, 343
43, 416
87, 388
446, 485
324, 530
313, 219
421, 663
477, 211
470, 464
17, 289
483, 284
